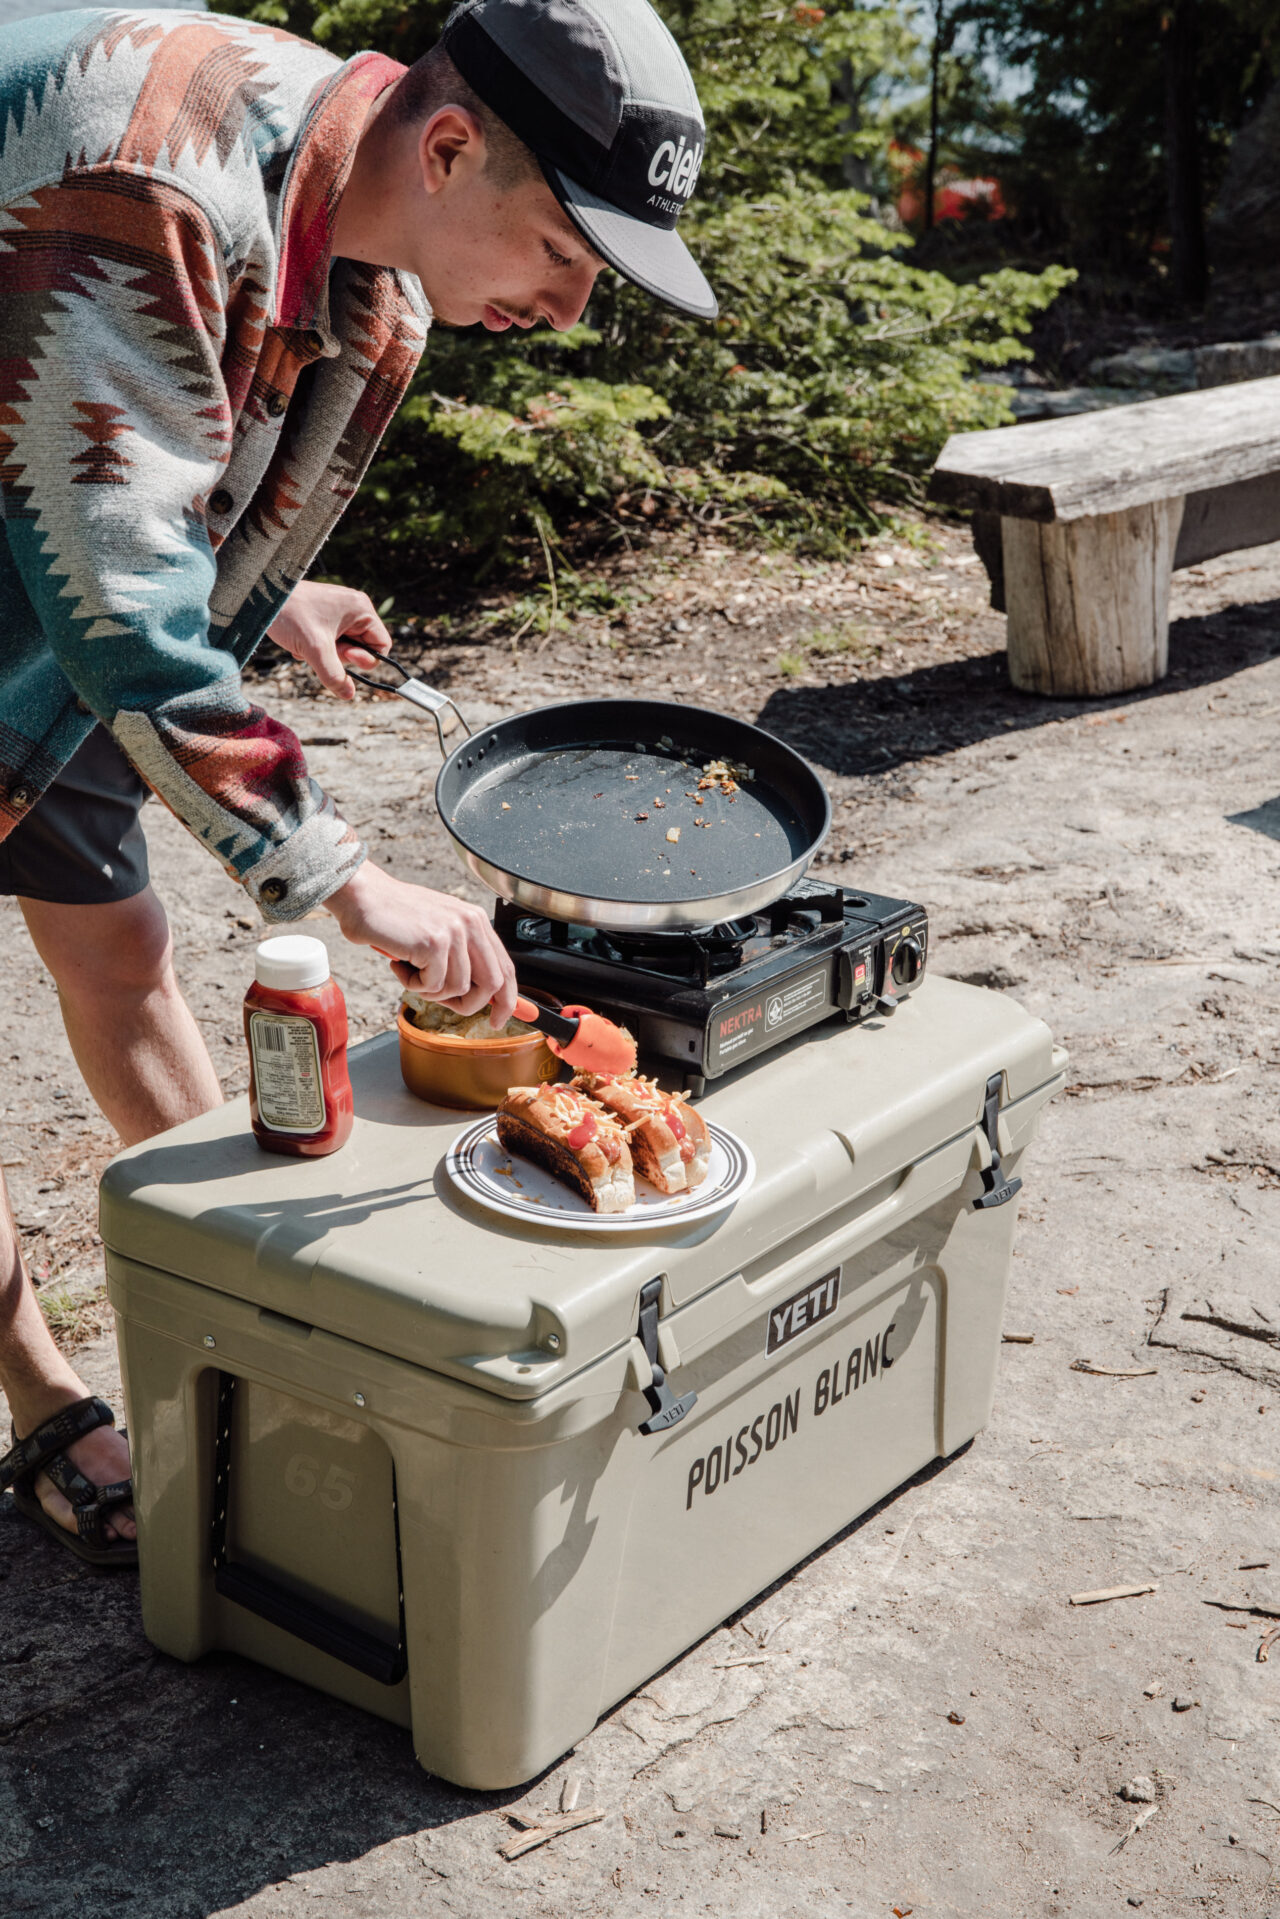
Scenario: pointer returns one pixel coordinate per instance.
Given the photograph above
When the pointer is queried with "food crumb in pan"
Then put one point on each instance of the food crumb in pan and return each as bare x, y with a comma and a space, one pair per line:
506, 806
633, 776
642, 816
673, 834
660, 803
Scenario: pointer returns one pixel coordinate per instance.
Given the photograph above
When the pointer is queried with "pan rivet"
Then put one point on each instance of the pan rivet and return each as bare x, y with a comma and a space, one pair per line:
209, 1340
358, 1398
553, 1340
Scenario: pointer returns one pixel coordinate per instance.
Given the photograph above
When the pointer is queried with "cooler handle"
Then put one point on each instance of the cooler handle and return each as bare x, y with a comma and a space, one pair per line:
365, 1651
258, 1593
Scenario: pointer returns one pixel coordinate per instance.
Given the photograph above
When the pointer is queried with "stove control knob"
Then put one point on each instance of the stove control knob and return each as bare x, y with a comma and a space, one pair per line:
908, 960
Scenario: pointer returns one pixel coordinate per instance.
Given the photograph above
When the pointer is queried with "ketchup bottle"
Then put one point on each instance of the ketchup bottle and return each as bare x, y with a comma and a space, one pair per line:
295, 1020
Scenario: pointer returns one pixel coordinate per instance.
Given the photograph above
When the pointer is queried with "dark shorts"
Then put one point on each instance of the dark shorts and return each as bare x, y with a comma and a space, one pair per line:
82, 843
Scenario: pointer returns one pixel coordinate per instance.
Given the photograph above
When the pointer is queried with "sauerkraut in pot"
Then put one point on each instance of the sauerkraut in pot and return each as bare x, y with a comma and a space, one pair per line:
430, 1017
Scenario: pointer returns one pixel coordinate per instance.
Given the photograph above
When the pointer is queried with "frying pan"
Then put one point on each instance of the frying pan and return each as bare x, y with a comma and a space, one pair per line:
569, 810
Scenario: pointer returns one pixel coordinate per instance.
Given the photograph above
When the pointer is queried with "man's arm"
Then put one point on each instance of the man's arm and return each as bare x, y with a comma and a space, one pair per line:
115, 429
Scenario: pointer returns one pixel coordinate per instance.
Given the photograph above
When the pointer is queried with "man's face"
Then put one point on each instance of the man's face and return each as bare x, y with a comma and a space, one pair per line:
504, 258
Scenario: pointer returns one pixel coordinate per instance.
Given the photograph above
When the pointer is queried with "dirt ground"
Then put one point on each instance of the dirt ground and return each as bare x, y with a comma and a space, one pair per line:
932, 1728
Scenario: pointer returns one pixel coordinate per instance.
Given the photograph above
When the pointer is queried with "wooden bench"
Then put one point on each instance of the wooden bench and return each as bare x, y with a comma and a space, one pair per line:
1081, 523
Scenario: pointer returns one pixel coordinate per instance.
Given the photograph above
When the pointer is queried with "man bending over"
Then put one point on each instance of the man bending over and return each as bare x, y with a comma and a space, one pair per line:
220, 252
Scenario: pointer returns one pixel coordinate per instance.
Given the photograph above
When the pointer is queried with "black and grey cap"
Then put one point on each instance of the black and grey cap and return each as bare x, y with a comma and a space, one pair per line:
599, 90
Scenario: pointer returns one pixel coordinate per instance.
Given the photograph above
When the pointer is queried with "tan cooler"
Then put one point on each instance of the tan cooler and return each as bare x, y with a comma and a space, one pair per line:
392, 1445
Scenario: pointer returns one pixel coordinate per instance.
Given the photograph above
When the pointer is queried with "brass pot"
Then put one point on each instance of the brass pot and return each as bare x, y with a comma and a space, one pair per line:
474, 1073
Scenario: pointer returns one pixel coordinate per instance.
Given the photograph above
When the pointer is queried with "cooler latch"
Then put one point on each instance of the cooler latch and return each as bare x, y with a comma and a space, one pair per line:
665, 1409
997, 1189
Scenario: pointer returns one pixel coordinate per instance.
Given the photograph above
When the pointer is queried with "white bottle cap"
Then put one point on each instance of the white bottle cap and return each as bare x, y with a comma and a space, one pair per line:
291, 963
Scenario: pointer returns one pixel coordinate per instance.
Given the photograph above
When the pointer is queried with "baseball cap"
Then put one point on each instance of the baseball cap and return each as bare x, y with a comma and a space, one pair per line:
599, 90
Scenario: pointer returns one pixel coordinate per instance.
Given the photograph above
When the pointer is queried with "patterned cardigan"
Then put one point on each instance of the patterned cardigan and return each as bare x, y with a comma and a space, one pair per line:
190, 391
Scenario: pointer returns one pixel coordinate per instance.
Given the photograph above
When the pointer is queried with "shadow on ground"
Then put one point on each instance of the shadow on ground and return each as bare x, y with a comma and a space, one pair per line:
132, 1783
875, 725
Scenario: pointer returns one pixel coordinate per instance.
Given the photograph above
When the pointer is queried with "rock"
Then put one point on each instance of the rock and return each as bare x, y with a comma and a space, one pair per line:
727, 1832
1183, 1704
1168, 370
996, 977
1058, 403
1139, 1792
1232, 360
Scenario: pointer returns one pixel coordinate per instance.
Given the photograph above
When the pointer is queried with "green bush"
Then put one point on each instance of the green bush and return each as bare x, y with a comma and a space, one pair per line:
832, 376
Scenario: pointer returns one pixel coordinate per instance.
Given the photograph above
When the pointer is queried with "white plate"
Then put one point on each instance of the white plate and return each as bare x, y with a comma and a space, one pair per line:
526, 1192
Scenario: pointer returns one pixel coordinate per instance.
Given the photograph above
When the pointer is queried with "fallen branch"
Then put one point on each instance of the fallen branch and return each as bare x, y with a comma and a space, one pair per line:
1110, 1592
1112, 1372
545, 1826
1135, 1825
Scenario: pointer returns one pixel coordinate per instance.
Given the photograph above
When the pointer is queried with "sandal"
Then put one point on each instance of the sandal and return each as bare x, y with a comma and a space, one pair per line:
44, 1451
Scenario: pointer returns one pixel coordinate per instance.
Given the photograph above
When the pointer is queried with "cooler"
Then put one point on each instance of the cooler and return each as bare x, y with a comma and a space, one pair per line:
424, 1458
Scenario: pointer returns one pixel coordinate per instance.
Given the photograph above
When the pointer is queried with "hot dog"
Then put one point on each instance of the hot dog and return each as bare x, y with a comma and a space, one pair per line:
576, 1140
670, 1143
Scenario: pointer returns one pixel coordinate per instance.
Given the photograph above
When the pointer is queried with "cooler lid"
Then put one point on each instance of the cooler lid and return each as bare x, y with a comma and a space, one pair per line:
374, 1244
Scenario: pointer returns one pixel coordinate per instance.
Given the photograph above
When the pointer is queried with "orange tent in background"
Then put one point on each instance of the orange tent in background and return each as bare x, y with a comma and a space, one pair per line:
953, 197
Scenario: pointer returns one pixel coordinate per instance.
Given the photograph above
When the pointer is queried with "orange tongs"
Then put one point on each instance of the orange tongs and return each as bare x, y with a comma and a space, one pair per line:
587, 1041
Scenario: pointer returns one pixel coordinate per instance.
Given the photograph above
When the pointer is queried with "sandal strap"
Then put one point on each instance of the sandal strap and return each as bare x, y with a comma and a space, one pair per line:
31, 1455
91, 1514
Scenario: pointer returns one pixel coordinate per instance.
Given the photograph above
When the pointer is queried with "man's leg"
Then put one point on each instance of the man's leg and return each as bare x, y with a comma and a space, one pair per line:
145, 1062
141, 1053
38, 1381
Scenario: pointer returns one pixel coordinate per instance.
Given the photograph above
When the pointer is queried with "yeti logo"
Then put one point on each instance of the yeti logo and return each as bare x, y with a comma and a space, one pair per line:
676, 168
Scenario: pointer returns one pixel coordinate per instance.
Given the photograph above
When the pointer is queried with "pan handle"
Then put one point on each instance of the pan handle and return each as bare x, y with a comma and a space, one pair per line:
418, 693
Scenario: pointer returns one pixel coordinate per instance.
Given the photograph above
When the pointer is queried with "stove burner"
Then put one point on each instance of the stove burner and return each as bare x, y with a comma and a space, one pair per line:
719, 949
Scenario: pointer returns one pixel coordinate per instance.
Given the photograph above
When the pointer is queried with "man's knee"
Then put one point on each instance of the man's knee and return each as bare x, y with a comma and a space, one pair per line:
113, 955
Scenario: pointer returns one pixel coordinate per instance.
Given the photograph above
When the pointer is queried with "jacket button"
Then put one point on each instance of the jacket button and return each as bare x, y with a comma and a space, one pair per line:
315, 342
220, 501
19, 796
277, 403
273, 891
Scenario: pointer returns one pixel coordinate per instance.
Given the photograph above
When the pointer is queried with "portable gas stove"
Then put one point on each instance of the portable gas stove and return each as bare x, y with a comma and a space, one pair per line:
706, 1002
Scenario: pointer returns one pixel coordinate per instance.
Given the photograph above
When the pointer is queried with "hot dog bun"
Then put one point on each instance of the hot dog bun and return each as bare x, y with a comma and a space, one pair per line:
537, 1121
670, 1142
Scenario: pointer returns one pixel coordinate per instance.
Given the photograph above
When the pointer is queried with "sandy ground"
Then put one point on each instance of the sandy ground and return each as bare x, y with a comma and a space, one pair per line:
933, 1728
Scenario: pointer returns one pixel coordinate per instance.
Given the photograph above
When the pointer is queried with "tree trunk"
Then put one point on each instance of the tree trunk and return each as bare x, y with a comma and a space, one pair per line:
935, 85
1182, 144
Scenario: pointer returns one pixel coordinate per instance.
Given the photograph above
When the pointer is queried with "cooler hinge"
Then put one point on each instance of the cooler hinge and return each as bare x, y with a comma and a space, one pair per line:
997, 1190
665, 1409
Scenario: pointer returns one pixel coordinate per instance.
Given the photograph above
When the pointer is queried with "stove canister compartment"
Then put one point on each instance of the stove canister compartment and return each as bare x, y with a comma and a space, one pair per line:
840, 1331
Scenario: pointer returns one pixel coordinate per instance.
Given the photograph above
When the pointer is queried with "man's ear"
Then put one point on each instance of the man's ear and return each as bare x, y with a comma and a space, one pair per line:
451, 146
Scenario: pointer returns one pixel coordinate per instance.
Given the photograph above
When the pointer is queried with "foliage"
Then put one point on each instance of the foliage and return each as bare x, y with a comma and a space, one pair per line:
829, 381
1081, 147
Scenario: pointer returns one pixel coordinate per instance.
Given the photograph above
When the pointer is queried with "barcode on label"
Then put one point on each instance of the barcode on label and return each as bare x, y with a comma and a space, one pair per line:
270, 1038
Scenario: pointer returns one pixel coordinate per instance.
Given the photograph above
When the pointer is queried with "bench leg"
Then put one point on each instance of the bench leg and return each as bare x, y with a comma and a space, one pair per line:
1088, 600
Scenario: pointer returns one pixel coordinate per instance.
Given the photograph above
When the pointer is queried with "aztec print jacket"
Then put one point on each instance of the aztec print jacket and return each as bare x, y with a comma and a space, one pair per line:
190, 392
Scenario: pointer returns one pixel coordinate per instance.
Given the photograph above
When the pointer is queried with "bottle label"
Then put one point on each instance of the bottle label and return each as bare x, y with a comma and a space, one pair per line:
286, 1072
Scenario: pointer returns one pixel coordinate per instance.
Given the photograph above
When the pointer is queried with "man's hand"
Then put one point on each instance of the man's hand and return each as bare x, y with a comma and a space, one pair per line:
438, 945
331, 628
